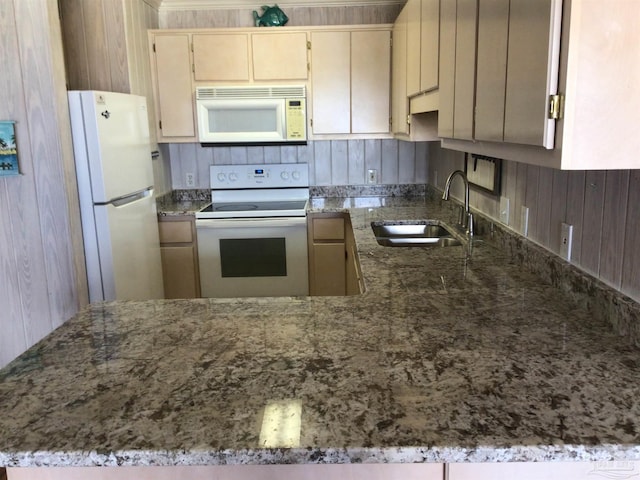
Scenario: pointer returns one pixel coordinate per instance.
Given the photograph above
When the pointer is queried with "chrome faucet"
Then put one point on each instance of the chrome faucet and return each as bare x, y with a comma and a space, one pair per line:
466, 217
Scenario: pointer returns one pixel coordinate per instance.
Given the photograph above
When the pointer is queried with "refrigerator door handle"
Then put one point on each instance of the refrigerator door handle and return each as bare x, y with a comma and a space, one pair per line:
133, 197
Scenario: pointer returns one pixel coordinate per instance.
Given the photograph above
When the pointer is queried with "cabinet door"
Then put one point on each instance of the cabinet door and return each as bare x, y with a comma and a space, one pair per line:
429, 44
370, 81
179, 271
532, 71
221, 57
173, 89
329, 263
399, 99
493, 33
414, 9
543, 470
331, 82
447, 69
279, 56
178, 251
465, 69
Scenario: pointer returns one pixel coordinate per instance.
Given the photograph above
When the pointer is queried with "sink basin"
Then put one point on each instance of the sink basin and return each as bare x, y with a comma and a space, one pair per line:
423, 233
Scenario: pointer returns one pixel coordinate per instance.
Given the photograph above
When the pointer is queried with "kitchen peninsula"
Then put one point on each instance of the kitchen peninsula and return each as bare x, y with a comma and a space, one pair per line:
445, 358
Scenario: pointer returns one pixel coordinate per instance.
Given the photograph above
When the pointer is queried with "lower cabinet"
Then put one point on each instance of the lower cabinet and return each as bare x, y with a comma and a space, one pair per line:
542, 470
416, 471
388, 471
333, 261
179, 252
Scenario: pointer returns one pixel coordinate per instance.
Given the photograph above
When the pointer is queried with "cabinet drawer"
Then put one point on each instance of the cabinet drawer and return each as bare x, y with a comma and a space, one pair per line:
175, 232
328, 228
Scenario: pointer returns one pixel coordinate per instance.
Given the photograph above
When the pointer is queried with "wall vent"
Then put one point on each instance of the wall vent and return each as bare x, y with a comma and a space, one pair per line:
286, 91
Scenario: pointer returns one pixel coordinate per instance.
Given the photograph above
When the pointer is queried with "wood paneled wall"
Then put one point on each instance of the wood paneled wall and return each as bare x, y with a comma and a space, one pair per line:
330, 162
298, 16
106, 48
42, 279
601, 206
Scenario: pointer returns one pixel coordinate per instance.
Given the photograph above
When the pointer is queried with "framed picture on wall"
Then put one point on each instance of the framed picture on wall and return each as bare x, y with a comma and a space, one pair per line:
8, 150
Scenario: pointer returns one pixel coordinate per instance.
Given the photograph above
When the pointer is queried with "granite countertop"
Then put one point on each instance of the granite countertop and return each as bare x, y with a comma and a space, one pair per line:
444, 358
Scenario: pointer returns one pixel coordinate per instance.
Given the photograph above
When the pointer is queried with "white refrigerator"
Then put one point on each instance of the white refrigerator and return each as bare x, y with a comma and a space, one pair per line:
117, 204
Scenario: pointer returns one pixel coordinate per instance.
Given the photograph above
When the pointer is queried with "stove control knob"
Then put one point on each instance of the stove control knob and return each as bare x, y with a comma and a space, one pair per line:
233, 176
296, 175
284, 175
221, 177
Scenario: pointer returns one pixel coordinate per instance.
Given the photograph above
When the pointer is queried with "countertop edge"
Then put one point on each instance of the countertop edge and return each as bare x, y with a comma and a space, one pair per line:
310, 456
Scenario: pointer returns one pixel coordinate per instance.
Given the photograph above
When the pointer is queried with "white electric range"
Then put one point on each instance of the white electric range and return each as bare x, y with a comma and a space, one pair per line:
252, 238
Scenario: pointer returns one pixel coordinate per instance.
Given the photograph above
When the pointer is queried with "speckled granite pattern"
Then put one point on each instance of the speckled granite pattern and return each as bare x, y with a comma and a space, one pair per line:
183, 202
443, 358
354, 191
622, 312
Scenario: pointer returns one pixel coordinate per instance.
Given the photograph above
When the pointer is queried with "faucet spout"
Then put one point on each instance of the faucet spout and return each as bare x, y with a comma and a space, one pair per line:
467, 219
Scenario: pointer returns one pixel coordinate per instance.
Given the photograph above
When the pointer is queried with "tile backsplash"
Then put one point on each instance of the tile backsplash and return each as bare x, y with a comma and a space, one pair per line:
331, 162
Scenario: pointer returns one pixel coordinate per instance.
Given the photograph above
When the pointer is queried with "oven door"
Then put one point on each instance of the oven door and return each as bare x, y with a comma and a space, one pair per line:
253, 257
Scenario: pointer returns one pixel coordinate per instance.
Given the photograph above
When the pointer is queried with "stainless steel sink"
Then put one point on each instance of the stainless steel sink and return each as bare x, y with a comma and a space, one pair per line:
423, 233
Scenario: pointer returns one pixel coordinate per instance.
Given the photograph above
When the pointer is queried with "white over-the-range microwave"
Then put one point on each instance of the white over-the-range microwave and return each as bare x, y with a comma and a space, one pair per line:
252, 115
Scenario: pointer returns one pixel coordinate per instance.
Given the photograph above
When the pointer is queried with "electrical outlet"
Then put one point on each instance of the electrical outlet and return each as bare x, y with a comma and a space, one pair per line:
372, 176
566, 238
189, 180
524, 220
504, 210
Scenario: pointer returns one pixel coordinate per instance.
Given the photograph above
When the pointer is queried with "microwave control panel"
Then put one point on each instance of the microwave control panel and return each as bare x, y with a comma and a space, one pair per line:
295, 111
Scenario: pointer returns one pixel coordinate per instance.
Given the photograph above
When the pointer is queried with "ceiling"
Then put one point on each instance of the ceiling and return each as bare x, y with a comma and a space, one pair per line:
234, 4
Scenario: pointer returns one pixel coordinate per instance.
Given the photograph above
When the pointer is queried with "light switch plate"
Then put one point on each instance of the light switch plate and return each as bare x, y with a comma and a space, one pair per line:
504, 210
372, 176
566, 238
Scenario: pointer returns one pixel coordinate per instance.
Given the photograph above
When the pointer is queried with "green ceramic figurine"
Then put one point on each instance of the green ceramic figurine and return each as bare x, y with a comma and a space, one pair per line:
271, 17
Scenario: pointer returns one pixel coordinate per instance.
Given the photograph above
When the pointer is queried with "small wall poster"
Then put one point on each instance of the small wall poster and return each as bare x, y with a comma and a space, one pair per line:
8, 150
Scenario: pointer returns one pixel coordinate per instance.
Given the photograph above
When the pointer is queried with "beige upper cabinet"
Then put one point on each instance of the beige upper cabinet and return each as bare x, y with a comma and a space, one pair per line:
491, 74
423, 43
413, 21
517, 70
504, 69
173, 90
595, 75
331, 82
279, 56
370, 81
429, 44
237, 56
399, 97
414, 107
350, 81
447, 68
465, 69
532, 71
221, 57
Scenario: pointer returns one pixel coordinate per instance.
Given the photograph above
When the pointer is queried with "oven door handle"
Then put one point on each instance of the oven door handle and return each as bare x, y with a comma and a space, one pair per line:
251, 222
